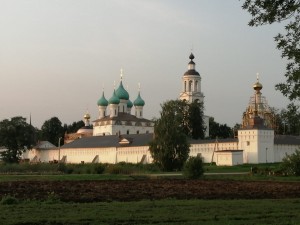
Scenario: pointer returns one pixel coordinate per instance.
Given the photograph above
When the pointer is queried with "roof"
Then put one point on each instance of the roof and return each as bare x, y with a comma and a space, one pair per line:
139, 101
286, 140
191, 72
102, 101
110, 141
121, 92
123, 117
212, 141
114, 99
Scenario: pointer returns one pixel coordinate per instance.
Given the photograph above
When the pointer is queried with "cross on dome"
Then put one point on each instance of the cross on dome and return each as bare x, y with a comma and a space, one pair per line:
121, 73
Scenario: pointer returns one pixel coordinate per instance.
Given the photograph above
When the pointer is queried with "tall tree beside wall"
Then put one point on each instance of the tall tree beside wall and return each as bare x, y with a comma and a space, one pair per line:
219, 130
290, 120
52, 130
196, 127
16, 135
170, 147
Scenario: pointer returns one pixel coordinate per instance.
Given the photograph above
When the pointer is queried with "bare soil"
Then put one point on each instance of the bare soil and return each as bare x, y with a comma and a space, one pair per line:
153, 189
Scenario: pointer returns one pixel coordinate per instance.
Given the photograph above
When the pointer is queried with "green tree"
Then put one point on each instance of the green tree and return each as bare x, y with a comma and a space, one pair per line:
74, 127
52, 130
16, 135
219, 130
289, 119
193, 168
291, 163
170, 147
195, 120
271, 11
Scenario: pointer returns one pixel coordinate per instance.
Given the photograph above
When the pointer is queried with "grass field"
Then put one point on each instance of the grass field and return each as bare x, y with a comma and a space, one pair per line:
162, 212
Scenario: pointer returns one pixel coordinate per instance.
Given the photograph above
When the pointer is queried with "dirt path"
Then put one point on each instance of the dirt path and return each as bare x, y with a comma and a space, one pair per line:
91, 191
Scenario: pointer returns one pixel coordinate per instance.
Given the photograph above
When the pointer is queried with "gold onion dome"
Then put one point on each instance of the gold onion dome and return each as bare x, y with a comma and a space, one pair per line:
257, 86
87, 116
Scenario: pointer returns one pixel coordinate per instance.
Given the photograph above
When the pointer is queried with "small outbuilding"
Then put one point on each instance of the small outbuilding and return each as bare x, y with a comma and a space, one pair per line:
229, 157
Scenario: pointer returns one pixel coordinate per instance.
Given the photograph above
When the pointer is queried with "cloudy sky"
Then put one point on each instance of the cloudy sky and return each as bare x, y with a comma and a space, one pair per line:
57, 56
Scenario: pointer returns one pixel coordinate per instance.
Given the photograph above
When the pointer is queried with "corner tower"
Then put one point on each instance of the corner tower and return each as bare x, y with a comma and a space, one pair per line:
191, 84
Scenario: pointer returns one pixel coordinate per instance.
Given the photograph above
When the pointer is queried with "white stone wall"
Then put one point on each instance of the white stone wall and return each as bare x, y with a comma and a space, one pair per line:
263, 138
280, 151
207, 149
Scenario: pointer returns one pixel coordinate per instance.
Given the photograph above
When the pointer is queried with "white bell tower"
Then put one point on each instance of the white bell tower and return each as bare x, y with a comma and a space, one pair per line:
191, 84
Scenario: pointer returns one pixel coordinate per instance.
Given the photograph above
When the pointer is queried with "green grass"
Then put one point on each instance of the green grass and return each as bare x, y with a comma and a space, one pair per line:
240, 168
162, 212
64, 177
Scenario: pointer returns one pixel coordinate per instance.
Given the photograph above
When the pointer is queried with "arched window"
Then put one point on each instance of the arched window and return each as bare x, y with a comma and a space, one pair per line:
190, 85
184, 86
196, 86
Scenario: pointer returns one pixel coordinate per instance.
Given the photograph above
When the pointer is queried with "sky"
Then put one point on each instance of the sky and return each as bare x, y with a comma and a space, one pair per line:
56, 57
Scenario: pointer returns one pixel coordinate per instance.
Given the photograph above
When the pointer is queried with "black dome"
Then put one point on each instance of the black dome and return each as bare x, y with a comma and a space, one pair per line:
191, 72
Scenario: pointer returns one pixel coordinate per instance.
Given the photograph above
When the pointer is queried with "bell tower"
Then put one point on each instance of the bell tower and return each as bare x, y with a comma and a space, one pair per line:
191, 84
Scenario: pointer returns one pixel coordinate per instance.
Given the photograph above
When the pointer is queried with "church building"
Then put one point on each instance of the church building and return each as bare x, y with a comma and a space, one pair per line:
115, 116
119, 136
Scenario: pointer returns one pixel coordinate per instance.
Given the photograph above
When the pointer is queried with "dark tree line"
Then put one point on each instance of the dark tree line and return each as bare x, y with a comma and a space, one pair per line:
16, 135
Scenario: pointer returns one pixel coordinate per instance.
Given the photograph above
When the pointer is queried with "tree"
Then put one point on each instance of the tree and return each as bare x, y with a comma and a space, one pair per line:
170, 147
219, 130
52, 130
195, 120
291, 163
193, 168
289, 119
74, 127
271, 11
16, 135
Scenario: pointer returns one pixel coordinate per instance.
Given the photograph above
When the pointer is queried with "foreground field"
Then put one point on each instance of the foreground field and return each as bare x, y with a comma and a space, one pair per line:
161, 212
153, 189
147, 201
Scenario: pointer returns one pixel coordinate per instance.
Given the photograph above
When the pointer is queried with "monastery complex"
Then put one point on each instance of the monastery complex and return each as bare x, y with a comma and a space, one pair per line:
118, 135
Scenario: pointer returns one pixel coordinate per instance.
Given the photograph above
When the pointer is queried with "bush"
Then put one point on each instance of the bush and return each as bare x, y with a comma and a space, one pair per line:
291, 164
8, 200
99, 168
193, 168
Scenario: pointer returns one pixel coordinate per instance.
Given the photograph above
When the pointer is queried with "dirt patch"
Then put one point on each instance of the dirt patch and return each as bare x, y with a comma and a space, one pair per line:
95, 191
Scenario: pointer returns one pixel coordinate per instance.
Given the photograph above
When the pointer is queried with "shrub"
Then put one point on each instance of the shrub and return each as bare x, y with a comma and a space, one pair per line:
99, 168
8, 200
193, 168
291, 164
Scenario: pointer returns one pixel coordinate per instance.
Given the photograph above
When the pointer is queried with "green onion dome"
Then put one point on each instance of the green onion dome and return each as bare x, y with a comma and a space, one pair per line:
114, 99
121, 92
139, 101
129, 104
102, 101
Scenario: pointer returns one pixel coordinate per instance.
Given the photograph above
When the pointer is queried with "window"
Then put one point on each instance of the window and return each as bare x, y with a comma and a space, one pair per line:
127, 132
137, 132
190, 85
